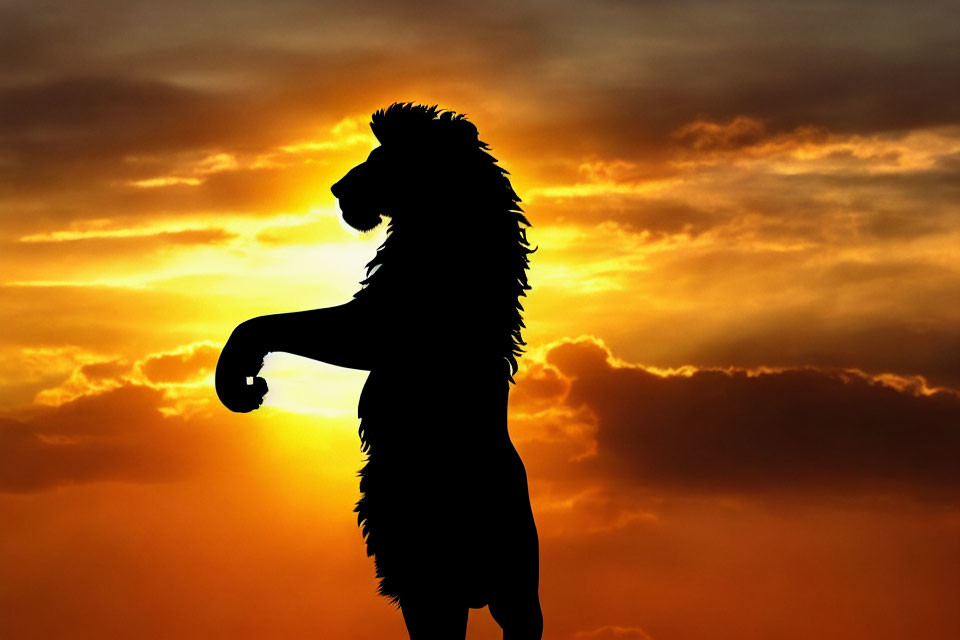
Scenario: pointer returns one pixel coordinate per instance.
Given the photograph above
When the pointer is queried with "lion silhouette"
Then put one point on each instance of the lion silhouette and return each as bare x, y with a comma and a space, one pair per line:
445, 509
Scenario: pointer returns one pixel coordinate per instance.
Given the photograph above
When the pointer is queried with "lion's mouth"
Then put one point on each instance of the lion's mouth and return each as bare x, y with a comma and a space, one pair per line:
362, 217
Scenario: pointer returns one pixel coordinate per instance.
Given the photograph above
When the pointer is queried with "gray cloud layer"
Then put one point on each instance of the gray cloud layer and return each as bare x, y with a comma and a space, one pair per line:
793, 432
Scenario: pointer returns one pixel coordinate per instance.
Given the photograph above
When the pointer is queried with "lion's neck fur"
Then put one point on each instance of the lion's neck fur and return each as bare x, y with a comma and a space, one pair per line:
465, 272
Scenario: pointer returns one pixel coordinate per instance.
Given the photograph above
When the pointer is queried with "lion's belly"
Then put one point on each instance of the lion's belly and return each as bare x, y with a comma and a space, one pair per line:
449, 510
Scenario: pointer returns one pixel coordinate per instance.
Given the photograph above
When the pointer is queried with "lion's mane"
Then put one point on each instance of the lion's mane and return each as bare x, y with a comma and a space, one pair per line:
495, 225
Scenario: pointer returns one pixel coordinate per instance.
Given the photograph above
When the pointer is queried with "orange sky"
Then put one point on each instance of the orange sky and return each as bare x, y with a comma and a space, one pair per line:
739, 410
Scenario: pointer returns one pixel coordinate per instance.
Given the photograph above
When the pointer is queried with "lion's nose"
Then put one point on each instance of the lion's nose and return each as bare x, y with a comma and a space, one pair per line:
336, 189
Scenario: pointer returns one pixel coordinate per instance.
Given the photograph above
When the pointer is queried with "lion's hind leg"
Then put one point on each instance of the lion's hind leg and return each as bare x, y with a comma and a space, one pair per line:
433, 618
519, 616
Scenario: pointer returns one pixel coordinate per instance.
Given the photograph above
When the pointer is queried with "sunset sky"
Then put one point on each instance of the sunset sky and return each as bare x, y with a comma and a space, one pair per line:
740, 404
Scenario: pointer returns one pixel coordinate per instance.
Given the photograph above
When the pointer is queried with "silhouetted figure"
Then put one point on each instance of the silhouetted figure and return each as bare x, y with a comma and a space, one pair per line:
445, 508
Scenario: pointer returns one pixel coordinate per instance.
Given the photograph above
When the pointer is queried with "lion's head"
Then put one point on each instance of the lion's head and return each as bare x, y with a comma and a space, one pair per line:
433, 177
425, 155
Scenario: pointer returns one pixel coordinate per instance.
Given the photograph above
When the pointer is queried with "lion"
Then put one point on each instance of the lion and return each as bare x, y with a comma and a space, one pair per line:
444, 509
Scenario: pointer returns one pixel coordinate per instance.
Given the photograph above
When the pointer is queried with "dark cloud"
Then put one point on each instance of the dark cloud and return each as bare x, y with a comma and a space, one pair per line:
834, 199
73, 148
32, 45
237, 78
795, 431
702, 135
925, 347
68, 132
96, 88
787, 65
64, 121
657, 217
118, 435
842, 86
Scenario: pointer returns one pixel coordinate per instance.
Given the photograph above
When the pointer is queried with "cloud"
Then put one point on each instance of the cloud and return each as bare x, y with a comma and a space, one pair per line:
612, 632
755, 432
919, 345
105, 370
118, 435
793, 249
179, 372
190, 363
110, 146
807, 183
139, 239
703, 135
80, 117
